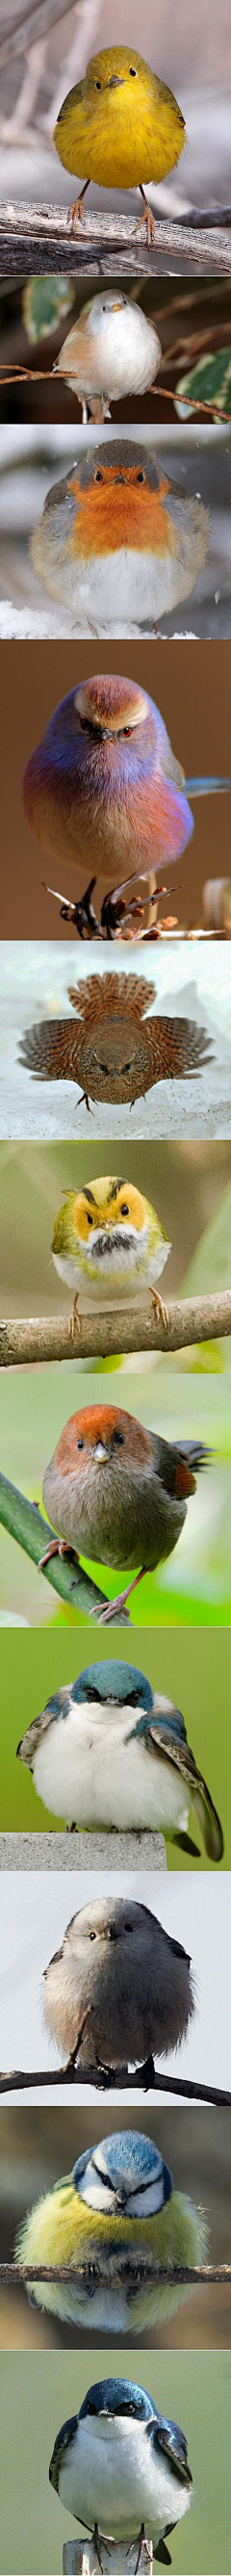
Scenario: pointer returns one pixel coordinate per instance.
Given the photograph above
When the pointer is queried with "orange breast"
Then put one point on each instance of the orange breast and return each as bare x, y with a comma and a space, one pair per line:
114, 514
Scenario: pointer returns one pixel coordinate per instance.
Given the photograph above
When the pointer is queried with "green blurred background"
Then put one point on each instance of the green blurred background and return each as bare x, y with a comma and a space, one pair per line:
192, 2387
196, 1673
190, 1185
38, 2146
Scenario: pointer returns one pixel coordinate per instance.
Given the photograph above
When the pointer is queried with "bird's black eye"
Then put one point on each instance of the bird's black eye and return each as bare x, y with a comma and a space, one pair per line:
90, 1220
141, 478
98, 478
119, 1438
127, 729
79, 1444
97, 86
132, 71
92, 1936
124, 1211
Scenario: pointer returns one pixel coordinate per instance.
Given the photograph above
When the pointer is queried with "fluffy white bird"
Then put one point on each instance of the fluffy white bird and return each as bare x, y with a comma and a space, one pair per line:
121, 2468
108, 1751
111, 351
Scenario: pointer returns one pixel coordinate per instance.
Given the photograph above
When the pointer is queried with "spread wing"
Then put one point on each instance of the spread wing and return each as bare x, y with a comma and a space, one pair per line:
178, 1048
179, 1753
50, 1050
57, 1707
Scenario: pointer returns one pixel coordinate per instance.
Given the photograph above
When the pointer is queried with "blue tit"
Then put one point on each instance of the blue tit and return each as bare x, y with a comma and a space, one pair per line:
89, 1759
118, 1989
122, 2468
118, 2215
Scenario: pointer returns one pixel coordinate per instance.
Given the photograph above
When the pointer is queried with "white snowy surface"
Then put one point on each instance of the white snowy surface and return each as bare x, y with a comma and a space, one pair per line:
34, 980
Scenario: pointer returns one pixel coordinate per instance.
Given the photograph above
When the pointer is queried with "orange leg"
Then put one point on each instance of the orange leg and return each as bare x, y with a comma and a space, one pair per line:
76, 211
161, 1310
147, 219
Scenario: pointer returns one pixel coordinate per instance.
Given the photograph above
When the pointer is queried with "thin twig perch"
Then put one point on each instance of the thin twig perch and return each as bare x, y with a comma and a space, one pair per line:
189, 1320
79, 2275
121, 2081
26, 1524
40, 238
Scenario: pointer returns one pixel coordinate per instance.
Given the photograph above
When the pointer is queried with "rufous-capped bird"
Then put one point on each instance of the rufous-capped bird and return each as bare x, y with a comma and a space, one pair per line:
117, 1493
118, 544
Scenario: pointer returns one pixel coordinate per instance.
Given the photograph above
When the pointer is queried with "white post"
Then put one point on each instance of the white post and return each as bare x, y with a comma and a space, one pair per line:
80, 2558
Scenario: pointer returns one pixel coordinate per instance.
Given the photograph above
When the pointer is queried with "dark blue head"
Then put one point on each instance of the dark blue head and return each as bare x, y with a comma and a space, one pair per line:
117, 2397
116, 1683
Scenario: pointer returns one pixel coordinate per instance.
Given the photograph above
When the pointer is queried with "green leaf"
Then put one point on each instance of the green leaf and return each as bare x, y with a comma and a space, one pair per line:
44, 301
208, 382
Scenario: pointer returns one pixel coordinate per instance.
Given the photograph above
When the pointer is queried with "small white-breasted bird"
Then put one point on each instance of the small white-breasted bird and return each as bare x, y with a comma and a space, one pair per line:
121, 2468
111, 350
118, 1989
89, 1752
119, 2216
109, 1245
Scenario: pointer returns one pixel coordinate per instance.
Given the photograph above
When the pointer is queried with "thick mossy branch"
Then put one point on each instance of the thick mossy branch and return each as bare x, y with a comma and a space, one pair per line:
97, 1336
25, 1523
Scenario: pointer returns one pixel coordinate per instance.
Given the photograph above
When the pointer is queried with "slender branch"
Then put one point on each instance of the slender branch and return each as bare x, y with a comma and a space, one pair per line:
35, 19
49, 1337
118, 2080
80, 2275
25, 1523
35, 238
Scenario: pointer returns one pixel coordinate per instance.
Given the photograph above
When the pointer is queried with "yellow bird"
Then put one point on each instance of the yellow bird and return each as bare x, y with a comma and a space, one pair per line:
119, 2217
119, 124
109, 1246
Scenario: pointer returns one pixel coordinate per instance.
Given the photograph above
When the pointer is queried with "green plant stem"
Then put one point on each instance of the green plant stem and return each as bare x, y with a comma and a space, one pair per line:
25, 1523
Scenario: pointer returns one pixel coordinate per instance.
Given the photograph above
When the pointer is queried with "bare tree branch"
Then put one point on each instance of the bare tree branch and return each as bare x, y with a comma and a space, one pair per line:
119, 2080
49, 1337
81, 2275
36, 238
35, 19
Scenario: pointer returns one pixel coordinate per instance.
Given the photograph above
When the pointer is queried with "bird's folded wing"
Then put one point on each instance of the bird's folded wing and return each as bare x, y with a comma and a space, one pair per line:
39, 1726
183, 1760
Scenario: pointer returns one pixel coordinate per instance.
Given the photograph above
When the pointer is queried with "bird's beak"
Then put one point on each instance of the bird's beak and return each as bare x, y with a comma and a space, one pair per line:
115, 82
100, 1453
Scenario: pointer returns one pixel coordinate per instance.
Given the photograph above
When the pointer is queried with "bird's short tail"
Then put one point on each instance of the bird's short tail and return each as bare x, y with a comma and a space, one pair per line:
195, 1452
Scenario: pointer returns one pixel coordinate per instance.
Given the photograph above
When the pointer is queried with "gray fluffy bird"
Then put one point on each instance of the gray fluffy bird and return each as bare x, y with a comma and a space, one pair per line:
119, 1988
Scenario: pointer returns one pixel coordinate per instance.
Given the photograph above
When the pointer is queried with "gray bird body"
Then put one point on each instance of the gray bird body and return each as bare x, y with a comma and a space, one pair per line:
121, 1514
121, 1980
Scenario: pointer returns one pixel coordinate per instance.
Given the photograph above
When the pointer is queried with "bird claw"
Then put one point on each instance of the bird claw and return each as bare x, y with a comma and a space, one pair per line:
96, 2537
58, 1547
74, 1326
143, 2543
148, 219
160, 1310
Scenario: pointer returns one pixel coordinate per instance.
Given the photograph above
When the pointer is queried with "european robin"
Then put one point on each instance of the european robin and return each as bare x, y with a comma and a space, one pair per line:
120, 125
119, 2219
109, 1247
112, 350
111, 1046
119, 1987
89, 1753
117, 1492
123, 2469
118, 544
103, 790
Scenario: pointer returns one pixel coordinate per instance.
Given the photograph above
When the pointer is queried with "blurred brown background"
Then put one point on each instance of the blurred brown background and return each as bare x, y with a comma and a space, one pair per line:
37, 2147
192, 689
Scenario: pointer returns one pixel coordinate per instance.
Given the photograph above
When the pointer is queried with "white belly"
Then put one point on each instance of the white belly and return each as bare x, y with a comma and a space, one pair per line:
131, 1280
115, 2478
136, 588
85, 1771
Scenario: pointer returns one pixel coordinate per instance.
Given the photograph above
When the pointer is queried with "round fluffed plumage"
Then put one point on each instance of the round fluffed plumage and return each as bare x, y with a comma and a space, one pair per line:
103, 789
89, 1752
109, 1245
118, 2214
112, 1047
119, 1987
120, 125
118, 544
121, 2467
112, 350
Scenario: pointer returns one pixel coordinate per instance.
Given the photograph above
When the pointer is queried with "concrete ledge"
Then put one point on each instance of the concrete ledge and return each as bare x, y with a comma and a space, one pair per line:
82, 1851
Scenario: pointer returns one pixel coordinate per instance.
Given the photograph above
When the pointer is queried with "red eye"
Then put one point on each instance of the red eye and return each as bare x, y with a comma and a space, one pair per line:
127, 729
